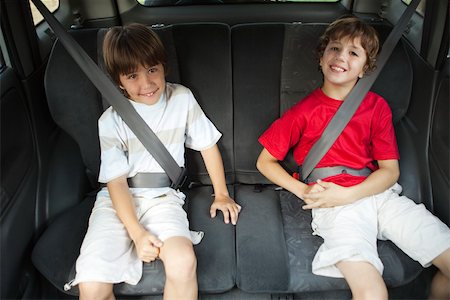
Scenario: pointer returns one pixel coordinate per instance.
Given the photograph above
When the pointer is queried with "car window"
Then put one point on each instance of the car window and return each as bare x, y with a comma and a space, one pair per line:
420, 9
52, 6
4, 62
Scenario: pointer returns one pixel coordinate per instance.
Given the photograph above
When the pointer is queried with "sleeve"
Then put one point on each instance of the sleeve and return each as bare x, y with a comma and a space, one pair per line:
282, 135
114, 161
383, 140
201, 133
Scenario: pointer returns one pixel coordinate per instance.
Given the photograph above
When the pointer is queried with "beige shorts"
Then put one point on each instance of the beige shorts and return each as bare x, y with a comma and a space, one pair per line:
350, 232
108, 254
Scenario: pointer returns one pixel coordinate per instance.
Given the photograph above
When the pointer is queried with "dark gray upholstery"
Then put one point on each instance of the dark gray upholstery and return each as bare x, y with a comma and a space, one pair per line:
257, 53
439, 148
74, 102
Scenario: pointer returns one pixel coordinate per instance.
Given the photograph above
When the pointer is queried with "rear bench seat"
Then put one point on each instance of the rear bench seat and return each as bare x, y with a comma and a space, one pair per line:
244, 77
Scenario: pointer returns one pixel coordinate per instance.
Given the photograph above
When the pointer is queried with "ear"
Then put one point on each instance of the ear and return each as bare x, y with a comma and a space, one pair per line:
363, 71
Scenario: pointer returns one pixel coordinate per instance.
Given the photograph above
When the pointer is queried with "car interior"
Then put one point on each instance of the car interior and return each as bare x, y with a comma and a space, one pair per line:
246, 62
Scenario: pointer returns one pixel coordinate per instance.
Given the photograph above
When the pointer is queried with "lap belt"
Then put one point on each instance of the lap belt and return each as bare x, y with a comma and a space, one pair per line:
149, 180
320, 173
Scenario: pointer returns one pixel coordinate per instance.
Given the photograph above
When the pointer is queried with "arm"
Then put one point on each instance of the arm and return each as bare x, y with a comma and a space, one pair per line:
222, 200
269, 166
335, 195
146, 244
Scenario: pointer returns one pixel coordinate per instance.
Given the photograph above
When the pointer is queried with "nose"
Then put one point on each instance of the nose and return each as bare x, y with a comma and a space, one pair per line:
148, 80
340, 55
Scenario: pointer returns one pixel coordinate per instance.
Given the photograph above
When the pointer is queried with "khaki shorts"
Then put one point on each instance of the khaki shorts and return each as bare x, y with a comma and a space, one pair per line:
108, 254
350, 232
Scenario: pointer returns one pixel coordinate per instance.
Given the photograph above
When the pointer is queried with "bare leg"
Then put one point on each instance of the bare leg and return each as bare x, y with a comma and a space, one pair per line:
180, 265
364, 280
440, 286
96, 291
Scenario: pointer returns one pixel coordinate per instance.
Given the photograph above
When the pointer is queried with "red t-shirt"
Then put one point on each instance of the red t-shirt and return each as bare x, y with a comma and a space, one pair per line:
369, 135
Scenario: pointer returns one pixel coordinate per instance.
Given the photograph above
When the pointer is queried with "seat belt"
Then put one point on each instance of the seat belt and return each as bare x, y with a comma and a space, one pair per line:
121, 104
354, 99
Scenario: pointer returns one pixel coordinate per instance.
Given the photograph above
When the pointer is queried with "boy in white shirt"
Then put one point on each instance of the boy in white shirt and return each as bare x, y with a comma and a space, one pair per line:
129, 226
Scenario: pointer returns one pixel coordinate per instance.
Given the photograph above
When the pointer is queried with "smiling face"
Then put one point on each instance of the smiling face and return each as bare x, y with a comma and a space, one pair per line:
342, 63
144, 85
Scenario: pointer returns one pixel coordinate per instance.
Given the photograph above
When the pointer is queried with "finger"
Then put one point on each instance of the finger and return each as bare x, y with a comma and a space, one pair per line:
234, 215
226, 216
323, 184
145, 258
312, 196
309, 206
307, 200
316, 204
212, 212
155, 241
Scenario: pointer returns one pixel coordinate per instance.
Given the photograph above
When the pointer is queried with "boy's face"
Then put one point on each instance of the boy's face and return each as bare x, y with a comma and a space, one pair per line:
144, 85
343, 62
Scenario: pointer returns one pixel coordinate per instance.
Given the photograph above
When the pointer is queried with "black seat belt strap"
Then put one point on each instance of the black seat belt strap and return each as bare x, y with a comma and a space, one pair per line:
354, 99
123, 107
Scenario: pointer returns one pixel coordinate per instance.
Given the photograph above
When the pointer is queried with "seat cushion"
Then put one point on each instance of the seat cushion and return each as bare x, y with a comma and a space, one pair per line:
283, 247
302, 246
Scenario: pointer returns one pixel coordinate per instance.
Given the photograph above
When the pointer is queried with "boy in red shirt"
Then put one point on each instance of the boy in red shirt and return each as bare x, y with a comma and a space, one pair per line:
351, 210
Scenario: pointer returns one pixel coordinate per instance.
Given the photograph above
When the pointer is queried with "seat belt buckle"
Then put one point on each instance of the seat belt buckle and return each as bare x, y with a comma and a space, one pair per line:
181, 180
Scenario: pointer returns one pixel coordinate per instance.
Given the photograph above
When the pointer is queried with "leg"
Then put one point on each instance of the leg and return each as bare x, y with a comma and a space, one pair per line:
440, 286
96, 291
364, 280
180, 265
421, 235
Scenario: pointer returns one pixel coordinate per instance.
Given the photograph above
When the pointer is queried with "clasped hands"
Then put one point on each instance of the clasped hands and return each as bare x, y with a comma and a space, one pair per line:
324, 194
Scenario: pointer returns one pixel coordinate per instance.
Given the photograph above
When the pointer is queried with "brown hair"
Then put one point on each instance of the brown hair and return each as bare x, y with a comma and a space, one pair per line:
352, 27
126, 48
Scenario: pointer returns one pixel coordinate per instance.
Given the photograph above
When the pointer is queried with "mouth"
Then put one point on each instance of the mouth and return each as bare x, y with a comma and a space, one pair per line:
337, 68
149, 94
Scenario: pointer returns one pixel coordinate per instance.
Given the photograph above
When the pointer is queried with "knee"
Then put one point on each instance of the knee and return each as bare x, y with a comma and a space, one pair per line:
442, 262
375, 292
182, 266
94, 290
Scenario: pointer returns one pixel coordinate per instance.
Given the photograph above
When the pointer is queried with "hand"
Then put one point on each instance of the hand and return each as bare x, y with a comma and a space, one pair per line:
311, 189
229, 208
325, 194
147, 246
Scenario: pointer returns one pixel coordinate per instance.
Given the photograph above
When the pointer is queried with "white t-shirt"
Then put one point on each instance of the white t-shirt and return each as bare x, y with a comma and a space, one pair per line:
178, 121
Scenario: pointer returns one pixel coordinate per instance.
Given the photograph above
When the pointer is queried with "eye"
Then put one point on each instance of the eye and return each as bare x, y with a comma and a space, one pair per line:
334, 48
353, 53
153, 70
131, 76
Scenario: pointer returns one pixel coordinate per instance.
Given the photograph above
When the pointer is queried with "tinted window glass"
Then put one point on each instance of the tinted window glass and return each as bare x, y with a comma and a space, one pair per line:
52, 5
420, 9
